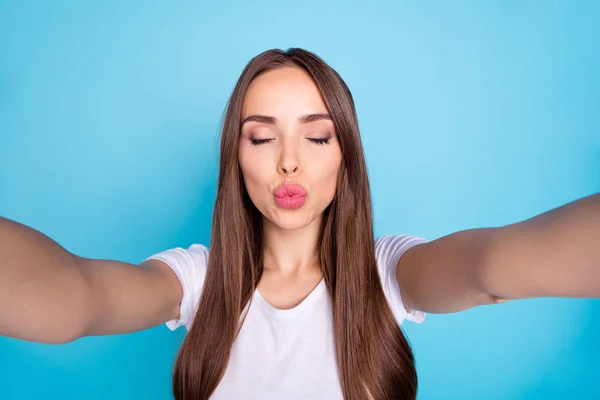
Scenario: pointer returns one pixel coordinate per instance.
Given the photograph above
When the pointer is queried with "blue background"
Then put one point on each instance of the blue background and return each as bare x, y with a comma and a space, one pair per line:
473, 113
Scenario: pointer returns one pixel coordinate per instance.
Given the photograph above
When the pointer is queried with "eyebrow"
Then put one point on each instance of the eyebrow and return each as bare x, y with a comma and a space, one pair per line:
305, 119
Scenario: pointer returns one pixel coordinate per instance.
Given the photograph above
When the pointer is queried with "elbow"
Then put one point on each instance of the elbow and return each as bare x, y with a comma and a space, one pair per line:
66, 331
494, 275
73, 320
73, 327
497, 300
54, 330
60, 338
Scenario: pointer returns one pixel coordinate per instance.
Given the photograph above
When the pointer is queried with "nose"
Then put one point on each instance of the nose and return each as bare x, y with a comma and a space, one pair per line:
289, 162
289, 170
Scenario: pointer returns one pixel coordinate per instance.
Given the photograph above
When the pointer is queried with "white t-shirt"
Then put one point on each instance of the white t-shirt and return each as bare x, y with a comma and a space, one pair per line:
284, 354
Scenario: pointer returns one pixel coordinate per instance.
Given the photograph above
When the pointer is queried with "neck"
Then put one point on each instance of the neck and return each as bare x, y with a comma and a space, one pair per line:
291, 251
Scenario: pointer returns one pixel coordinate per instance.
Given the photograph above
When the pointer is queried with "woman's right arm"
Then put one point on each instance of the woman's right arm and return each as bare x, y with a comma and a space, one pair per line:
50, 295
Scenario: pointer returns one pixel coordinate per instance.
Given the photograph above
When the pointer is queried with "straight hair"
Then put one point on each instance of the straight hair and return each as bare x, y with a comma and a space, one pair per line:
374, 358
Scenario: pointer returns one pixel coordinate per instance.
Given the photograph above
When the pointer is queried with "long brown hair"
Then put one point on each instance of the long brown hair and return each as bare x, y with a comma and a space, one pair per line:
373, 355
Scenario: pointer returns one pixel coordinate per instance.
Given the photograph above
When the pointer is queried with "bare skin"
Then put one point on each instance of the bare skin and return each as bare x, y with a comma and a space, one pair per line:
288, 155
554, 254
50, 295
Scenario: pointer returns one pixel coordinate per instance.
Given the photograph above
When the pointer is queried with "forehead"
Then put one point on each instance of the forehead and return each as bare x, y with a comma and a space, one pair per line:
282, 93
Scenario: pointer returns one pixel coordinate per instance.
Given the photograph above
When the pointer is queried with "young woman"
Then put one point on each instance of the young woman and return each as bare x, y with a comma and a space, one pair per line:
296, 299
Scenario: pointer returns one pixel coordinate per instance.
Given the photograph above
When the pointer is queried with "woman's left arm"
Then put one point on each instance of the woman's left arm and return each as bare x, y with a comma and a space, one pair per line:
555, 254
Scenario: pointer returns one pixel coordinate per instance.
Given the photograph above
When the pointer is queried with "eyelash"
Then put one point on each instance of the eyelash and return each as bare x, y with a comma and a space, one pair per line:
320, 141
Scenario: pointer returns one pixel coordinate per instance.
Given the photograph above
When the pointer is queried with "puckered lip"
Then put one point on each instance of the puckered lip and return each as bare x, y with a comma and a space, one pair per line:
290, 189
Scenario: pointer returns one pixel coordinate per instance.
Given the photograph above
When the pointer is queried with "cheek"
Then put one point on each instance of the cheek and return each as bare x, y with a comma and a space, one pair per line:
253, 173
328, 176
249, 163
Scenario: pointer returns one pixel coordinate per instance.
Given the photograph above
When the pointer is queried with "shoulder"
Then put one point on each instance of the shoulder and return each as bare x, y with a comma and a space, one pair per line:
389, 248
189, 264
195, 255
388, 251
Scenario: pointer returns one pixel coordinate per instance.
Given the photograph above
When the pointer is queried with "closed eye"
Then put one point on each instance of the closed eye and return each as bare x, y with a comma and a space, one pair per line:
319, 141
259, 141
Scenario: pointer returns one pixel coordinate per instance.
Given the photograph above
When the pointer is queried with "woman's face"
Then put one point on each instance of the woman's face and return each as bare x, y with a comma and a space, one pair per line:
289, 152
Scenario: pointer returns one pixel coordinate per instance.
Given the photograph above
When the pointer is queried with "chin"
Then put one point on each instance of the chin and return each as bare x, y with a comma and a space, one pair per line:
291, 220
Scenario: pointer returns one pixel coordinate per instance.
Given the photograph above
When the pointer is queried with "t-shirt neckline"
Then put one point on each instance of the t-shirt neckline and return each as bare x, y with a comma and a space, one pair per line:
294, 311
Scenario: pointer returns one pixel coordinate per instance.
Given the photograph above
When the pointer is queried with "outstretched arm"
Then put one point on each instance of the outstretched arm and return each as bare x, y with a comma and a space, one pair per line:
50, 295
555, 254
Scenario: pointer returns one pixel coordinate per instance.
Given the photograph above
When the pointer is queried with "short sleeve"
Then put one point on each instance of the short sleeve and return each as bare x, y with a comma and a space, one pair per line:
190, 267
388, 250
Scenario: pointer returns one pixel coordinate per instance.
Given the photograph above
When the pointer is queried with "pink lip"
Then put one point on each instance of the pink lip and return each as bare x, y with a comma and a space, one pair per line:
290, 196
